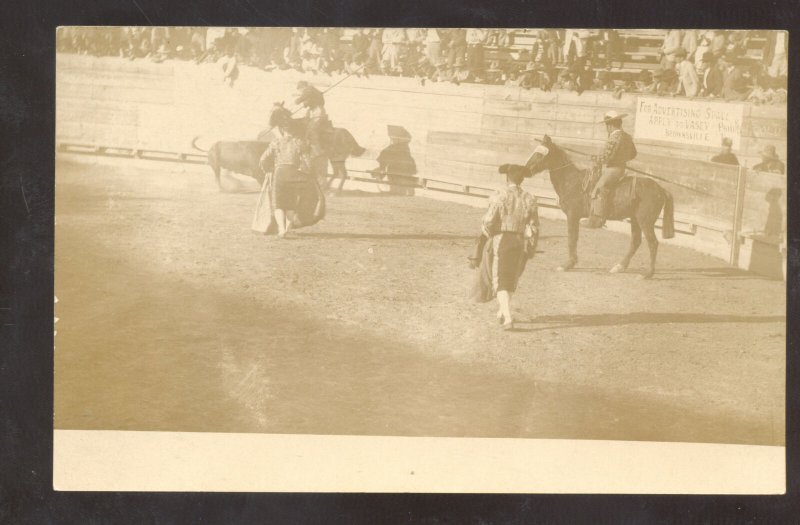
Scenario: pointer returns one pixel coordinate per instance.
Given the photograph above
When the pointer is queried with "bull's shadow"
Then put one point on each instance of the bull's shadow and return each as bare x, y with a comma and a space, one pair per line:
551, 322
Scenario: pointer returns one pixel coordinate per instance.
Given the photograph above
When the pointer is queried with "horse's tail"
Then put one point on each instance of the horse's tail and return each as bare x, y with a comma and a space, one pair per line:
668, 223
195, 146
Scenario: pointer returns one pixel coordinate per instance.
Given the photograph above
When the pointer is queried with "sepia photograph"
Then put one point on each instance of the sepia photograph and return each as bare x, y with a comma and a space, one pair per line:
420, 259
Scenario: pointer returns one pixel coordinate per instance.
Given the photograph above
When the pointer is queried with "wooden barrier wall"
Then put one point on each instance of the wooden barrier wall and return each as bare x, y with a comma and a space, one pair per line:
457, 133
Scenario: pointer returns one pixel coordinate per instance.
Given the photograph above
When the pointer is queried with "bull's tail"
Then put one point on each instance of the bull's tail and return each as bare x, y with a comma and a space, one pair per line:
195, 146
668, 223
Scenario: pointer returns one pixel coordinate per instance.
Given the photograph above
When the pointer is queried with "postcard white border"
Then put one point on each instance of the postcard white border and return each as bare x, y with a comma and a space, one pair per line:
100, 460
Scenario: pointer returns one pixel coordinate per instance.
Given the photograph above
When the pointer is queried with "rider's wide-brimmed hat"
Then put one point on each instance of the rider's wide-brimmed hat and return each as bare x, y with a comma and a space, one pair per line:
612, 116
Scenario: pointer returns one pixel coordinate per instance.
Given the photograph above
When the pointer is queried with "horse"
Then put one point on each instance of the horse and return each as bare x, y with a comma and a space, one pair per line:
639, 199
337, 144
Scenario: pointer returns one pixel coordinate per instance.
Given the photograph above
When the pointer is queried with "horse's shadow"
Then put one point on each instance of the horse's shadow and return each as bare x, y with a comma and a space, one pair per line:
551, 322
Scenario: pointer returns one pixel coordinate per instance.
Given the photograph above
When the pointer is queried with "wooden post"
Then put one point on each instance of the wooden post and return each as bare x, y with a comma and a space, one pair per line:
737, 216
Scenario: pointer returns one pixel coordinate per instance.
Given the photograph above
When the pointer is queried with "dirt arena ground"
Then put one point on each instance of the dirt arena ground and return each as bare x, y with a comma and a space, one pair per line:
175, 316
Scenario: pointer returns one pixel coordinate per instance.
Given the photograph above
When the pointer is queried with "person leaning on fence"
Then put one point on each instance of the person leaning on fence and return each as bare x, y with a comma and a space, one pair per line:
619, 150
510, 230
726, 156
770, 162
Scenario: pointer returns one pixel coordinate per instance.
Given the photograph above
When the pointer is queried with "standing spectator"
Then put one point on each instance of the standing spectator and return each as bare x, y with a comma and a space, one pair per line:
568, 50
726, 156
672, 42
552, 50
713, 75
457, 49
689, 42
609, 45
475, 58
394, 38
292, 56
374, 53
703, 47
197, 46
779, 64
718, 42
770, 162
688, 83
433, 53
584, 51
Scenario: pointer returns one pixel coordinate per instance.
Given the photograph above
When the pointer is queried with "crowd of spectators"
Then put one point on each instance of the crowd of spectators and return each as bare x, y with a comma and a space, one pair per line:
691, 63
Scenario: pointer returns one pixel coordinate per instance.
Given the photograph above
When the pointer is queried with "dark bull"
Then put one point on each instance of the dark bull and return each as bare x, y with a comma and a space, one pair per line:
238, 156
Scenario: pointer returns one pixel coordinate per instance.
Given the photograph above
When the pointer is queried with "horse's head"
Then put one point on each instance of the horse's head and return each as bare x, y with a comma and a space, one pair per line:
280, 116
544, 156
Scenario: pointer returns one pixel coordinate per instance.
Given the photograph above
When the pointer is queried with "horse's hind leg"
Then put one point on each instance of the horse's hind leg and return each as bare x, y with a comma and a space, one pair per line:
342, 170
636, 241
652, 243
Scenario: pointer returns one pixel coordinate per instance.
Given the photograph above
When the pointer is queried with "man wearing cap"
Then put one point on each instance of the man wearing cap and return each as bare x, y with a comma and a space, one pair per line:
510, 229
618, 151
770, 162
726, 156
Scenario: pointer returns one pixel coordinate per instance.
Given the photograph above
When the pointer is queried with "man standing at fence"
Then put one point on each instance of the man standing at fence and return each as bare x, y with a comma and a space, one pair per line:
726, 156
618, 151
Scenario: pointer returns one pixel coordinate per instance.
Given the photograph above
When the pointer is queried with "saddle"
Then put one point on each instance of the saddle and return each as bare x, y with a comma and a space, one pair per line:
590, 179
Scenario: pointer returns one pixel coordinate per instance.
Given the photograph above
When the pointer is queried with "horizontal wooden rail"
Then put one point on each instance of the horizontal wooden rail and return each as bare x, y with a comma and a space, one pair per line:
387, 178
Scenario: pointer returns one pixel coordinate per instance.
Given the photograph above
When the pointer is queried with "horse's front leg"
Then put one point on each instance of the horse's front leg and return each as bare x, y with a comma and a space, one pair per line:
636, 241
573, 230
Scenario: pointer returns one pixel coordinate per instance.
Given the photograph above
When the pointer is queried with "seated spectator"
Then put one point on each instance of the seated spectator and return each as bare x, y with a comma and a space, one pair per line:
664, 82
726, 156
604, 82
735, 85
311, 53
528, 78
329, 43
359, 51
688, 83
413, 61
736, 45
643, 81
770, 162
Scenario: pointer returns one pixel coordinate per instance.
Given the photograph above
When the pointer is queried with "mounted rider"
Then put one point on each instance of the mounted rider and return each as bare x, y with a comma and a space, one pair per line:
319, 127
619, 150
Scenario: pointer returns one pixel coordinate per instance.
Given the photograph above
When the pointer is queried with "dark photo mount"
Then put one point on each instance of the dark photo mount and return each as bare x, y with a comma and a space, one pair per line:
26, 359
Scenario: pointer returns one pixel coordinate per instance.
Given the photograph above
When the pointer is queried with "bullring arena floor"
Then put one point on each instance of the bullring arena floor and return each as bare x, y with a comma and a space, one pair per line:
175, 316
